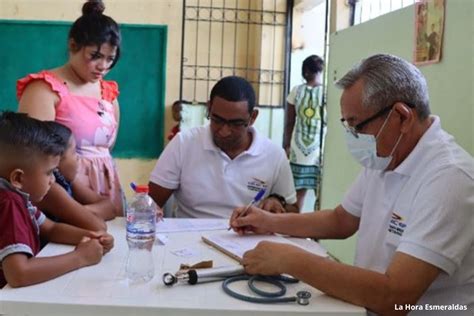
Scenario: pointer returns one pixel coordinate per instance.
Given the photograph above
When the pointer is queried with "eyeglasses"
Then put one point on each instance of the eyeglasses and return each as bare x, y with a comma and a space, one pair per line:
355, 130
235, 124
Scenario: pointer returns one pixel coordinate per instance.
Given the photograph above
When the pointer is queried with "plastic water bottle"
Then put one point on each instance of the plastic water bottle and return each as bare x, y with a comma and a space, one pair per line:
141, 228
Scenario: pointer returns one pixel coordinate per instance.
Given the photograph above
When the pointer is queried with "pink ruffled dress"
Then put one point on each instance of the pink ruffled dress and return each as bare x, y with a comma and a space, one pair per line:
94, 126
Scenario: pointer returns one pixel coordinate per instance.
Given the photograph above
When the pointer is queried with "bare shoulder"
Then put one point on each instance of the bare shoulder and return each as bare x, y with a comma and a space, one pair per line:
39, 100
39, 87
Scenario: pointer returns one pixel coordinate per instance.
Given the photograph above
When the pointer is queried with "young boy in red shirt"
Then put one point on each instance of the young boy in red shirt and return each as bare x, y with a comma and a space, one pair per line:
29, 153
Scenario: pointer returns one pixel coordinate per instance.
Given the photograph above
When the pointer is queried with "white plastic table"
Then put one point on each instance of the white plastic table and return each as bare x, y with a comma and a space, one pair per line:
103, 289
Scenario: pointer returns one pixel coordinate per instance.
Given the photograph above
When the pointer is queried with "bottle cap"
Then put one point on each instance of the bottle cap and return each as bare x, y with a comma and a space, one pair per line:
141, 188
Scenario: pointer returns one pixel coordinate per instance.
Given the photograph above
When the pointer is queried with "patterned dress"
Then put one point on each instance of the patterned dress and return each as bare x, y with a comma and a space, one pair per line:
94, 126
305, 147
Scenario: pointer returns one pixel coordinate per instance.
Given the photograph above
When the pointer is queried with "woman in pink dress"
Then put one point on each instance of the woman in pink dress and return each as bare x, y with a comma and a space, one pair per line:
76, 95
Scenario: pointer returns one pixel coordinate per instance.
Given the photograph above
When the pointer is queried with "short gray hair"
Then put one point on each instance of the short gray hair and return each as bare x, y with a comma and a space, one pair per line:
389, 79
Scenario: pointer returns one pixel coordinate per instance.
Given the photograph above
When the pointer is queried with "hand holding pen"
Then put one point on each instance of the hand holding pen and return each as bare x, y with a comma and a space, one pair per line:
255, 200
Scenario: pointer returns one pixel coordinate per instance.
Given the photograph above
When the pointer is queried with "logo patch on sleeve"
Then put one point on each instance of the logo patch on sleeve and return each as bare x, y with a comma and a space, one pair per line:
397, 224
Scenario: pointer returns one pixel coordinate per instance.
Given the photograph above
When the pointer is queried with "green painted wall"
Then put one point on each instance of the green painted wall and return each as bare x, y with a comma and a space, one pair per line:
450, 85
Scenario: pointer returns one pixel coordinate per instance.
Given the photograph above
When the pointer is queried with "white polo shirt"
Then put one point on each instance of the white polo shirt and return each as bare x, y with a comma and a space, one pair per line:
208, 183
424, 208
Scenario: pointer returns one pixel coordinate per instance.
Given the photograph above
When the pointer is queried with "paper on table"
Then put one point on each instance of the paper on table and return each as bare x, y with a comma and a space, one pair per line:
162, 239
185, 252
172, 225
235, 245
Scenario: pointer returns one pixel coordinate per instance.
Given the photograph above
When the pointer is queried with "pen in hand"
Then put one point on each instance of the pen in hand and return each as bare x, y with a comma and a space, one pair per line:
255, 200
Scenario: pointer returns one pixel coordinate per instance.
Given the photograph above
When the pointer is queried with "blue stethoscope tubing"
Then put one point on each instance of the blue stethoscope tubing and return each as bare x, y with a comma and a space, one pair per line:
265, 297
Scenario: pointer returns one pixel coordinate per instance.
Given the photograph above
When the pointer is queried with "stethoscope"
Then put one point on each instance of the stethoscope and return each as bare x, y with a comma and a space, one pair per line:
236, 273
302, 297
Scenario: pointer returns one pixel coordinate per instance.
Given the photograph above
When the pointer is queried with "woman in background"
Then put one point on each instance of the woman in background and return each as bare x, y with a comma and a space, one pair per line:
76, 96
304, 128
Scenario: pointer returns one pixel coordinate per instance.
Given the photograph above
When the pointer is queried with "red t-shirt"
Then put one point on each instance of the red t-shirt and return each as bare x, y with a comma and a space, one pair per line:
19, 227
173, 132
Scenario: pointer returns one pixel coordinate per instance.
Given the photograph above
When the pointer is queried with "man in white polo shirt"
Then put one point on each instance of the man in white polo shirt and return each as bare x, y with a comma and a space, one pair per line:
412, 205
213, 169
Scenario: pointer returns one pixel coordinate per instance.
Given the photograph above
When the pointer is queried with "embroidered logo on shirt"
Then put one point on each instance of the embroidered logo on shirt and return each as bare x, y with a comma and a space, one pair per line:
256, 184
397, 225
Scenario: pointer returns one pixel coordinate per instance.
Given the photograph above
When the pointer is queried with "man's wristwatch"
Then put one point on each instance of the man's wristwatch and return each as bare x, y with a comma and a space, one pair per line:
280, 198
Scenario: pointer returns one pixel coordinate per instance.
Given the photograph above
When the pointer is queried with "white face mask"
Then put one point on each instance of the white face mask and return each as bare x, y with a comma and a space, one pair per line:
364, 149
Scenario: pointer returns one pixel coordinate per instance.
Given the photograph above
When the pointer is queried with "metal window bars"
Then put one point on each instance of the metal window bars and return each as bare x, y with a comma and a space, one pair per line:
365, 10
246, 38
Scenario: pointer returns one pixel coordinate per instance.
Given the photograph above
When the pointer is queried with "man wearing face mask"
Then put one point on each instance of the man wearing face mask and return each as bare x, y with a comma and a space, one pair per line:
412, 205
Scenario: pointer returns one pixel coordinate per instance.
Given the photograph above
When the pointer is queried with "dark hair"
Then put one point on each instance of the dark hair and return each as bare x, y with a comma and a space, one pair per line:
312, 65
95, 28
28, 136
59, 129
234, 89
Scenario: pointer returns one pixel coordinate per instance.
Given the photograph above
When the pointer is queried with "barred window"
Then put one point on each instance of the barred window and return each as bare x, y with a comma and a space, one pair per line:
365, 10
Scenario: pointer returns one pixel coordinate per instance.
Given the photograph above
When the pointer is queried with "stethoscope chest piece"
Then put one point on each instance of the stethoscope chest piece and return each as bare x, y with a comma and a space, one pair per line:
169, 279
302, 297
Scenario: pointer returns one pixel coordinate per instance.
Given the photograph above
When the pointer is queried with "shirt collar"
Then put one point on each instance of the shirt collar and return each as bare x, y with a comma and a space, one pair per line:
412, 161
253, 150
6, 185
